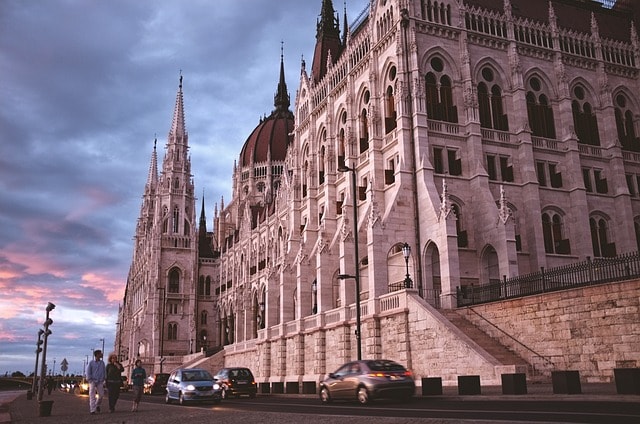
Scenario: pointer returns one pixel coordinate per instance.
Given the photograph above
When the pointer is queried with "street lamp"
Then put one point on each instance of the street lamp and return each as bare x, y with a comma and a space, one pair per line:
406, 252
43, 372
38, 350
102, 340
314, 291
356, 277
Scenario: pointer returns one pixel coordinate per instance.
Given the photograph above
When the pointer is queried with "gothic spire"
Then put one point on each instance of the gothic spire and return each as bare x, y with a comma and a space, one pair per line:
281, 100
327, 40
152, 177
177, 125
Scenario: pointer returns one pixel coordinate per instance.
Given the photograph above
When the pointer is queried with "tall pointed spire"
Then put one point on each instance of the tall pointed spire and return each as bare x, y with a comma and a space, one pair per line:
281, 100
327, 40
177, 125
152, 177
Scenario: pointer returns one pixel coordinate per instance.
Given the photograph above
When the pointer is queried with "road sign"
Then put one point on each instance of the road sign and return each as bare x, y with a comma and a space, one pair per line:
64, 365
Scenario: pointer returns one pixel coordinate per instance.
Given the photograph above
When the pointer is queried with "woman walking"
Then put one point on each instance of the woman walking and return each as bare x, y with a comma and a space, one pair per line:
114, 380
138, 376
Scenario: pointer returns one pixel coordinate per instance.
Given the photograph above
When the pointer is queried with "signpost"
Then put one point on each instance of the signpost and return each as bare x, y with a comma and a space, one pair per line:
64, 366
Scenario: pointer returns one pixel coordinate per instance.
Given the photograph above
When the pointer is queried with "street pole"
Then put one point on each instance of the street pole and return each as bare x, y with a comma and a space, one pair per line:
43, 371
35, 371
356, 275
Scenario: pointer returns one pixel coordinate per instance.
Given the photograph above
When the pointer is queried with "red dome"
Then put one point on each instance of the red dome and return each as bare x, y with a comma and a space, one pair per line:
269, 141
271, 138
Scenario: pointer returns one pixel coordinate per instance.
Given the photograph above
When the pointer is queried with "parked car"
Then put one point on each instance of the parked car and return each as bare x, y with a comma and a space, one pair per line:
237, 381
366, 380
156, 383
192, 385
124, 387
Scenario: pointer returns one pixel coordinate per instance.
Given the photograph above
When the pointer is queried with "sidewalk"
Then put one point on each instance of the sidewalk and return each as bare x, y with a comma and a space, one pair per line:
73, 409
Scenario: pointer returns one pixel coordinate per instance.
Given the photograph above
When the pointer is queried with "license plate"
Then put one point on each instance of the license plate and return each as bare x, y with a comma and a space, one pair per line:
242, 382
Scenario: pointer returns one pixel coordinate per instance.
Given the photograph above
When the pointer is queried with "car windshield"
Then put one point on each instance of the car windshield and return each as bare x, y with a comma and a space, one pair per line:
199, 375
384, 366
241, 373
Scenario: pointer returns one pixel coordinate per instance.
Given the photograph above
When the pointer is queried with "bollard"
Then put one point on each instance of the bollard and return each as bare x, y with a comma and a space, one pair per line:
45, 407
566, 382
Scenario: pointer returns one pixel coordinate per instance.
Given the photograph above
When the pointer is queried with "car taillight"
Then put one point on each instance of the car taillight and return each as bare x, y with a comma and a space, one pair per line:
408, 373
377, 374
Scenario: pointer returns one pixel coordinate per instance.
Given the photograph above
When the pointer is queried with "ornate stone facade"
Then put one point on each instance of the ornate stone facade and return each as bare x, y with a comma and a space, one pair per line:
492, 138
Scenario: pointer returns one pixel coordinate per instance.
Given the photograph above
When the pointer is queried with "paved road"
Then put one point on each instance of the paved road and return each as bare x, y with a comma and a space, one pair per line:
590, 407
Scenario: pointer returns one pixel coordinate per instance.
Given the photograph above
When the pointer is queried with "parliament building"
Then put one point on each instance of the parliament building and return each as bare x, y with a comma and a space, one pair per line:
431, 147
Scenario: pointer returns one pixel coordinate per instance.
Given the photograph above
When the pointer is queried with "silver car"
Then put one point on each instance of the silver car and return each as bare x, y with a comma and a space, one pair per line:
366, 380
192, 385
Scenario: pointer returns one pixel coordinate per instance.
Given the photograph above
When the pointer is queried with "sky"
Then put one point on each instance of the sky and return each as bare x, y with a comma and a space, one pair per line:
85, 87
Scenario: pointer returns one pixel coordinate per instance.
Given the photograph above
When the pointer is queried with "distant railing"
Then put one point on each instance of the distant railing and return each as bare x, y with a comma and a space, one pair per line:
431, 296
600, 270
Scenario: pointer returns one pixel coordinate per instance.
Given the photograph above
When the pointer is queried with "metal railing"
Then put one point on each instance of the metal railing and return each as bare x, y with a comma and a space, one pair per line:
431, 296
597, 271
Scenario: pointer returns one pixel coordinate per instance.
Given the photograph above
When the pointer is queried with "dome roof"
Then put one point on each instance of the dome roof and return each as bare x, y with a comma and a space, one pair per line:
271, 138
269, 141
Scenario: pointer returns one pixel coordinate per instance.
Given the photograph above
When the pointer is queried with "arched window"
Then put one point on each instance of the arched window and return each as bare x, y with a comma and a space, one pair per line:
207, 286
364, 131
439, 93
625, 125
174, 281
172, 331
552, 231
491, 102
390, 114
203, 317
600, 238
201, 286
584, 120
176, 219
463, 239
539, 110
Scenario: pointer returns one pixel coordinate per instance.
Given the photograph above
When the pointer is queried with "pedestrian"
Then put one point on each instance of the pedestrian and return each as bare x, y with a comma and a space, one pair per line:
138, 376
114, 380
50, 384
96, 375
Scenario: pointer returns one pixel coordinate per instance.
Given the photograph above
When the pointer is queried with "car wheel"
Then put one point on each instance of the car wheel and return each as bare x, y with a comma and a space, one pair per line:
325, 396
363, 395
181, 400
167, 399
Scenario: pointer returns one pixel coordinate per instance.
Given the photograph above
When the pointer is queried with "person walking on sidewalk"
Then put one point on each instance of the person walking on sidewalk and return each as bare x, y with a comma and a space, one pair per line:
96, 375
114, 380
138, 376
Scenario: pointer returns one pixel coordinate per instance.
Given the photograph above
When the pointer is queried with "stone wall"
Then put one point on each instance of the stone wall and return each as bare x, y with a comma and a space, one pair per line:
592, 329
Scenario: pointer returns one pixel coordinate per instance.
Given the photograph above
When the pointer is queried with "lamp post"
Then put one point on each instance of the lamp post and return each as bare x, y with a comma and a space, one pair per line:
406, 252
314, 291
43, 368
102, 340
356, 276
38, 350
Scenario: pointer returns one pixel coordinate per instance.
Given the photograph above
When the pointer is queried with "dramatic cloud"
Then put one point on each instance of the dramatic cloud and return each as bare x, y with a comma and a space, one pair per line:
86, 88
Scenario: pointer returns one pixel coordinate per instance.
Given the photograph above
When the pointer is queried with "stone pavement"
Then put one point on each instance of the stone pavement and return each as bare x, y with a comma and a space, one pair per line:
67, 408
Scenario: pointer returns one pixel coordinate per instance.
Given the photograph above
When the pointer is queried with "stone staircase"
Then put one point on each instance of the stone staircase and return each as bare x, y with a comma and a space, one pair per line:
487, 343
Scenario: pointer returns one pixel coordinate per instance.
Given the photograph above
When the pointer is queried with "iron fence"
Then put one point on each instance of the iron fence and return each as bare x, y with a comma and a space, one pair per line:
601, 270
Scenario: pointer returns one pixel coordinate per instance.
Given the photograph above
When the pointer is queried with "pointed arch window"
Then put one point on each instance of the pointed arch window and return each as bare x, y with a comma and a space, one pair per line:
625, 125
364, 131
439, 93
491, 102
602, 248
201, 285
172, 331
203, 317
174, 281
552, 231
584, 119
539, 110
176, 219
463, 239
390, 111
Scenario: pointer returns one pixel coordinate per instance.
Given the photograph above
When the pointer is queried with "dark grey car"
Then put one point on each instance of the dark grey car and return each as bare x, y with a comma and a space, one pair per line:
366, 380
192, 385
237, 381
